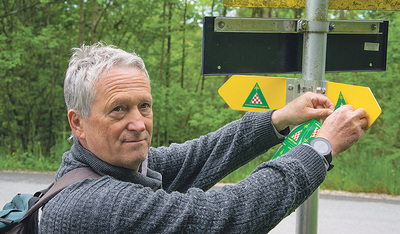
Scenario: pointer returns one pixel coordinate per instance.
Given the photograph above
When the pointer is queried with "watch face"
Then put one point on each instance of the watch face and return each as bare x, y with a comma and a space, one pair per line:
321, 146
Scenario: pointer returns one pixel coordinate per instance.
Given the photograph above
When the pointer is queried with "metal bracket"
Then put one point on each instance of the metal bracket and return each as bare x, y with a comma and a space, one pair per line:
297, 87
354, 27
254, 25
313, 26
262, 25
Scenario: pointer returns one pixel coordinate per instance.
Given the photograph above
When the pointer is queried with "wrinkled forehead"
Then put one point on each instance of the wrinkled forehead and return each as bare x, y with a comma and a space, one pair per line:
130, 73
123, 79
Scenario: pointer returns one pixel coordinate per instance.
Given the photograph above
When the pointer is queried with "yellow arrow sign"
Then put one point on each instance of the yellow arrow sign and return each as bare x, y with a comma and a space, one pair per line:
389, 5
254, 93
357, 96
260, 93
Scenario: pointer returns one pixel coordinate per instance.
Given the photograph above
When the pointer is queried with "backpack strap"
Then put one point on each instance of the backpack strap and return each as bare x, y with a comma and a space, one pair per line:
71, 177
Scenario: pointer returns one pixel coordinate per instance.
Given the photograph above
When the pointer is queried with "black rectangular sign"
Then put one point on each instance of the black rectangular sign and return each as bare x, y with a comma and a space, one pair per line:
226, 53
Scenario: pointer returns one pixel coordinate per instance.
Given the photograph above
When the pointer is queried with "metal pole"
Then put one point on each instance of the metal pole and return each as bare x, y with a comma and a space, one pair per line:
314, 45
307, 216
313, 73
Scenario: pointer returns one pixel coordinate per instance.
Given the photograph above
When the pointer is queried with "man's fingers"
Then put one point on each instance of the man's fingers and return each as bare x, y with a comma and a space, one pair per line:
321, 113
362, 113
364, 123
321, 101
349, 107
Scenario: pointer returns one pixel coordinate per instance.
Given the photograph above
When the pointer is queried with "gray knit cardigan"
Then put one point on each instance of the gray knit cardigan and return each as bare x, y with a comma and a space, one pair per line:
171, 198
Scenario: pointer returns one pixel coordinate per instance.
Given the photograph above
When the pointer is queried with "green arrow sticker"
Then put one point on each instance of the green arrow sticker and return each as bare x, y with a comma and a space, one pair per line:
301, 134
340, 102
256, 99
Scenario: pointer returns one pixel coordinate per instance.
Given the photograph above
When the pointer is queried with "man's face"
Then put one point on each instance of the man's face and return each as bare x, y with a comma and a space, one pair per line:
120, 124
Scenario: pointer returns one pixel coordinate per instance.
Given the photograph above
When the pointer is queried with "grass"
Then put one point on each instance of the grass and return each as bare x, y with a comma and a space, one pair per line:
35, 160
366, 167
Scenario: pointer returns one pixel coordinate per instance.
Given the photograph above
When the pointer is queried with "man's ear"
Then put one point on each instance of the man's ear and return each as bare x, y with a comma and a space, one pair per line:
76, 124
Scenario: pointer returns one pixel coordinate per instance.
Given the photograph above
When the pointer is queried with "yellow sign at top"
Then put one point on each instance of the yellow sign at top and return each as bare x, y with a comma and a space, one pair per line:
386, 5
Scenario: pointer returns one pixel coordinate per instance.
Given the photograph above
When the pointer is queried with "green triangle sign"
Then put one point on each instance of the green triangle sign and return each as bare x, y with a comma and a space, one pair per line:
340, 101
256, 99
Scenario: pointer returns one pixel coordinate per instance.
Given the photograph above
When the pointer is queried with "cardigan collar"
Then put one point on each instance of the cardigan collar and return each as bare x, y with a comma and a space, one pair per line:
145, 176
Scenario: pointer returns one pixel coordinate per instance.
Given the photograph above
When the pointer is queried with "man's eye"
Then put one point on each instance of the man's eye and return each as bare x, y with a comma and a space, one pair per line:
145, 105
117, 109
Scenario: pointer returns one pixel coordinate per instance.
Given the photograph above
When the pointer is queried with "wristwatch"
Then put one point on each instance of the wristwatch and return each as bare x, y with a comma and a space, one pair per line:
324, 148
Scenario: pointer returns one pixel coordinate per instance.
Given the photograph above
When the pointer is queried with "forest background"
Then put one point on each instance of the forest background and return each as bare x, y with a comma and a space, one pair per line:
36, 37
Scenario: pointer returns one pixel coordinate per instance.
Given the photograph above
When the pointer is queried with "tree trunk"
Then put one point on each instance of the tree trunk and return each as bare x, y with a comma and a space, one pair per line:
95, 16
169, 39
262, 12
163, 44
52, 138
270, 10
168, 70
224, 11
158, 127
253, 12
183, 45
81, 23
212, 8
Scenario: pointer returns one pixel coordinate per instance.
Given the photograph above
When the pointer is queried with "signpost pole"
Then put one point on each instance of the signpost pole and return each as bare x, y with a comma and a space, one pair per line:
316, 27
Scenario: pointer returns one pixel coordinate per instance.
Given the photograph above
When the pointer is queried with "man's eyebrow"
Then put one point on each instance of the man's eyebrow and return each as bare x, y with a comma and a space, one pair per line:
122, 101
146, 99
117, 102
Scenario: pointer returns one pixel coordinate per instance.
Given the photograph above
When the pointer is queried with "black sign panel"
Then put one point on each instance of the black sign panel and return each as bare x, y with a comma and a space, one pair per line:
226, 53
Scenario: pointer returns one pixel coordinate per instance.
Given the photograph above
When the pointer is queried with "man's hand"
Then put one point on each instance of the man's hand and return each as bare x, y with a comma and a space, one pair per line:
344, 128
304, 108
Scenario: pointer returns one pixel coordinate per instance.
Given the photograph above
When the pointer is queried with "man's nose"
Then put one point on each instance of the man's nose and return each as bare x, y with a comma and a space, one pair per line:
136, 122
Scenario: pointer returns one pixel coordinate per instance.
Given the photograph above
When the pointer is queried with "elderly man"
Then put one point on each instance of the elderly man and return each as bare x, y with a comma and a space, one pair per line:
161, 190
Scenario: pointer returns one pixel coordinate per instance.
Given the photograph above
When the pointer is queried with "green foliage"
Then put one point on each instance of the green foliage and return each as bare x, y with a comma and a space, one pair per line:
369, 166
35, 42
35, 161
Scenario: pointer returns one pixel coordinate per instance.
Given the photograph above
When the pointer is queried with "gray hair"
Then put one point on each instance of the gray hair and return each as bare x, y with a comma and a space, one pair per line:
86, 66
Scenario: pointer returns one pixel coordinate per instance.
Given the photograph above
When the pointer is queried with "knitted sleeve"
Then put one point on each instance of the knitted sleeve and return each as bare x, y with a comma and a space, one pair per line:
254, 205
204, 161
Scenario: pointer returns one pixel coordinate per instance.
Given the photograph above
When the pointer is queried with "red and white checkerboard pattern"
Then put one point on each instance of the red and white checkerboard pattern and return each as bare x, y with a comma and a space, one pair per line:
314, 134
256, 99
296, 135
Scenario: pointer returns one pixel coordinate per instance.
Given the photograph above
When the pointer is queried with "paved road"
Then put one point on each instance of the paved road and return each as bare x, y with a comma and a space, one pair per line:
349, 215
13, 183
337, 214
